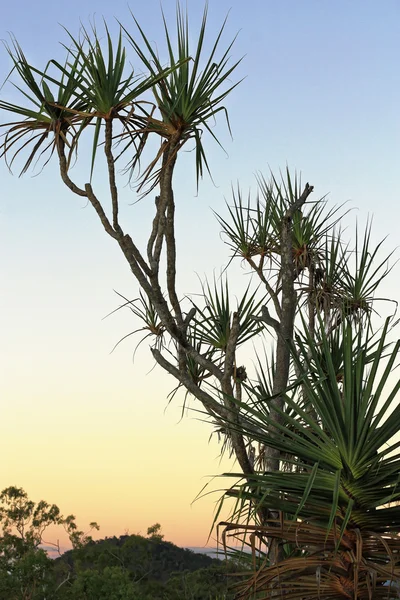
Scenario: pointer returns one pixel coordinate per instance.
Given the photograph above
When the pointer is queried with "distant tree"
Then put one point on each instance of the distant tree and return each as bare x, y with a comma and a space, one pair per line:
29, 577
154, 532
26, 571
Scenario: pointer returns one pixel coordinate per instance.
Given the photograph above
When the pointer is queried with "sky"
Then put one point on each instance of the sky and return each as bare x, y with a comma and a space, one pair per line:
92, 430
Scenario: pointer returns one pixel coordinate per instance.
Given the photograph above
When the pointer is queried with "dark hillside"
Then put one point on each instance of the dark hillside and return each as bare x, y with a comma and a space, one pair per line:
142, 557
147, 568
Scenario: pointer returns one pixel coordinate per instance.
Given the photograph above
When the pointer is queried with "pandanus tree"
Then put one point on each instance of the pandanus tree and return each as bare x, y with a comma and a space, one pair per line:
308, 277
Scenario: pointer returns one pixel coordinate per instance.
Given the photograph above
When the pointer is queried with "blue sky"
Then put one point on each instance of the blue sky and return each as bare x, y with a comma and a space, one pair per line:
321, 93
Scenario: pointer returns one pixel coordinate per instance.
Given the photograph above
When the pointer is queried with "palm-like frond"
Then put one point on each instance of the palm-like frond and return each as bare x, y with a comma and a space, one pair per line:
363, 339
326, 291
110, 90
346, 279
214, 321
48, 116
143, 309
192, 95
105, 85
255, 229
343, 494
93, 86
308, 227
239, 229
362, 276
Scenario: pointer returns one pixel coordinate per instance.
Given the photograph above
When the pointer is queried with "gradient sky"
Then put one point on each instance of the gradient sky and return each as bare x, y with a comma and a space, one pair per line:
87, 429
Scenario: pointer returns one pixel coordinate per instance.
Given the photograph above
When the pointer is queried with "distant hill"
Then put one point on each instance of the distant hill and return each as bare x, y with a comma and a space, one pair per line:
141, 556
156, 568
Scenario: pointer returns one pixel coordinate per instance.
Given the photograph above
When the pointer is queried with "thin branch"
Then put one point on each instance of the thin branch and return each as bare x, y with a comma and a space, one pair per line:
111, 174
171, 260
232, 407
229, 362
64, 581
129, 246
181, 352
153, 235
268, 319
210, 404
189, 317
64, 171
100, 212
301, 200
166, 192
268, 286
87, 192
288, 304
204, 362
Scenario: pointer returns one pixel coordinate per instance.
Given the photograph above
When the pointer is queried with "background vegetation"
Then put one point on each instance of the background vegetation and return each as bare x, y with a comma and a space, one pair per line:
130, 567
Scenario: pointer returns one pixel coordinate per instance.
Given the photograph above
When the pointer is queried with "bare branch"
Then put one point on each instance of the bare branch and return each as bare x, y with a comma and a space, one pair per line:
100, 212
64, 581
229, 363
153, 235
273, 294
171, 260
111, 173
87, 192
301, 200
128, 246
268, 319
189, 317
288, 304
213, 407
167, 221
64, 171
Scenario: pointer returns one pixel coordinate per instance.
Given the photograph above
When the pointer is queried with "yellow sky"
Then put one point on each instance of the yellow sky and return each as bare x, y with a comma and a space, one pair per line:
124, 463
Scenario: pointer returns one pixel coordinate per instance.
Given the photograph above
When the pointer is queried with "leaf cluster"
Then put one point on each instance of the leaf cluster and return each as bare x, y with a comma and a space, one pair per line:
95, 90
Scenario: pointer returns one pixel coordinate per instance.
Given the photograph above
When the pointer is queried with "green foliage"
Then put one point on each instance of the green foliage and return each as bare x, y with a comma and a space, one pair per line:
111, 583
213, 322
144, 310
48, 119
28, 577
339, 499
150, 567
26, 571
23, 522
125, 568
94, 86
202, 584
154, 533
191, 96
